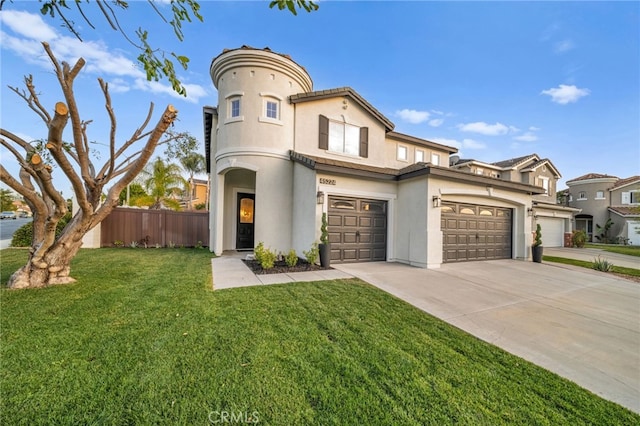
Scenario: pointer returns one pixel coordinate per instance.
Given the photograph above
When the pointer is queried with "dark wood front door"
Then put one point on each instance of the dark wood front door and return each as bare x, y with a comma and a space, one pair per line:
245, 221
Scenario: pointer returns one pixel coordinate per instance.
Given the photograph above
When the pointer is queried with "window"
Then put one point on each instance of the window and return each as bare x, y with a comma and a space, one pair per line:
570, 197
479, 171
343, 137
599, 195
272, 110
435, 159
495, 175
544, 183
582, 195
419, 156
235, 107
402, 153
631, 197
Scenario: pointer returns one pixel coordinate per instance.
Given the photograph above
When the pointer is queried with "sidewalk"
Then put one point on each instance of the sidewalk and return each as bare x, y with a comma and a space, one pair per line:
589, 254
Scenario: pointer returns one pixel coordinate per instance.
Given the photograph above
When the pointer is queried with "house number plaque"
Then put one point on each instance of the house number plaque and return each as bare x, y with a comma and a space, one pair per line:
324, 181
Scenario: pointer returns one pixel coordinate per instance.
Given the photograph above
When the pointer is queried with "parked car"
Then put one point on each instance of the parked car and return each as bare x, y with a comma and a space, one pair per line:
25, 215
8, 215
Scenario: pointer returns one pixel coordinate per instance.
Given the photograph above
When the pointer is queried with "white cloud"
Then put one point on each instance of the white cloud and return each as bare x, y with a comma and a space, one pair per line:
412, 116
527, 137
485, 128
100, 59
436, 122
28, 25
473, 144
448, 142
563, 46
564, 94
465, 143
534, 129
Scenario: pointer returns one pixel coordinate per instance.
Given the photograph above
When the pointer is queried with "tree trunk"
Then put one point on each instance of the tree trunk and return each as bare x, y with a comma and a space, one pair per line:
53, 268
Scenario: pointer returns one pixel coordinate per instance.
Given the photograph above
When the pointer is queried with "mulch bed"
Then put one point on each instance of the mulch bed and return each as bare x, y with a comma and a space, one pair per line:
281, 267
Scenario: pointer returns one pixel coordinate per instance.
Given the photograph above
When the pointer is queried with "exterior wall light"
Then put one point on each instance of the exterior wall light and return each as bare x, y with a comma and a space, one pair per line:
320, 197
437, 201
530, 211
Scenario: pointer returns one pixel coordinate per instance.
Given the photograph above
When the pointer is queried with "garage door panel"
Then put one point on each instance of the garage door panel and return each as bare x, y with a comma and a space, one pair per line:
475, 232
360, 228
552, 231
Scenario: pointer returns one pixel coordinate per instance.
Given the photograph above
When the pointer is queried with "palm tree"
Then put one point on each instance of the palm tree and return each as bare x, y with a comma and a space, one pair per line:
193, 163
163, 182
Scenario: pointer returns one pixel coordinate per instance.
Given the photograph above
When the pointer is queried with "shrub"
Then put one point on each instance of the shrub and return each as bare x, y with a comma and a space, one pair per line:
291, 259
602, 265
324, 233
268, 259
24, 235
312, 254
133, 244
118, 243
538, 237
579, 238
259, 251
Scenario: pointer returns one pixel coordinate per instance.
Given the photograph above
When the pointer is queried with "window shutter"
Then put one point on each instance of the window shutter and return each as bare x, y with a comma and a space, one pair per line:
324, 133
364, 142
626, 198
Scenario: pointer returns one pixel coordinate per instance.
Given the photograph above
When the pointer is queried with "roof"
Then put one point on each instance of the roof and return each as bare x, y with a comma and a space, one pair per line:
626, 181
264, 49
592, 176
507, 164
544, 161
411, 171
340, 92
418, 141
626, 211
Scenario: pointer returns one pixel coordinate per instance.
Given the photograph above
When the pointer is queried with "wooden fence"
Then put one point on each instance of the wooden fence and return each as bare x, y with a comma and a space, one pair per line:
155, 227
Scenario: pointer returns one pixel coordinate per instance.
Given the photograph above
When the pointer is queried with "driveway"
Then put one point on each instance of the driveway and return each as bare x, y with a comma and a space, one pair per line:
581, 324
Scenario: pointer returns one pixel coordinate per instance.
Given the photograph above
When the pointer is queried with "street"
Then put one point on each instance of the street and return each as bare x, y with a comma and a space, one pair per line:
8, 227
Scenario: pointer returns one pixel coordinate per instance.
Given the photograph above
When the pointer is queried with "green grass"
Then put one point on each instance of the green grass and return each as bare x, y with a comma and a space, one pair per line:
589, 264
616, 248
141, 339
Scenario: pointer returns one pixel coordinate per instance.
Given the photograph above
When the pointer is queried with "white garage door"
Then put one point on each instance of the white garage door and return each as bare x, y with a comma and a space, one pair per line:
552, 231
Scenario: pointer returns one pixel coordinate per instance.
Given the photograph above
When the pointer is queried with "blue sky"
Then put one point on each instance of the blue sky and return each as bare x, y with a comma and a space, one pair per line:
496, 79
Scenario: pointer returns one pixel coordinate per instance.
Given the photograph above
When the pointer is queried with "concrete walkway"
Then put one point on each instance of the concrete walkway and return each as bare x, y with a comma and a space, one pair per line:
579, 323
589, 254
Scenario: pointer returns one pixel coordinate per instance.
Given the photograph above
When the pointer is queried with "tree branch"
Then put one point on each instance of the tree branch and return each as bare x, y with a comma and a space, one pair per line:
32, 100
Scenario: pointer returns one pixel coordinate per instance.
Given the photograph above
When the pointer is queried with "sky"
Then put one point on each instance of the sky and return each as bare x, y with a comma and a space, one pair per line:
497, 80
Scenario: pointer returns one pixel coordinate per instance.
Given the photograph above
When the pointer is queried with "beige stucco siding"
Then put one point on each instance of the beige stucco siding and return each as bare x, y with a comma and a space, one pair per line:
411, 244
306, 212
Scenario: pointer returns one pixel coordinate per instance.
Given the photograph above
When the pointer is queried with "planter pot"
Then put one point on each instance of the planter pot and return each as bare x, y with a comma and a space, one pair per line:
536, 252
325, 255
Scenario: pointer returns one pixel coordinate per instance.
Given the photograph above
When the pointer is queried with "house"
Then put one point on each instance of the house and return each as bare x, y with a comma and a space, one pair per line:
197, 198
555, 220
280, 154
601, 197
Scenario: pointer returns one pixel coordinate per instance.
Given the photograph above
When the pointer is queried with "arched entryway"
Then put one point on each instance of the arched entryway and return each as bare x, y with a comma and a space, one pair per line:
584, 222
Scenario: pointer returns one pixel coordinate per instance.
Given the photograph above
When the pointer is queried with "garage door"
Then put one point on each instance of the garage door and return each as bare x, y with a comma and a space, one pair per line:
357, 229
474, 232
552, 231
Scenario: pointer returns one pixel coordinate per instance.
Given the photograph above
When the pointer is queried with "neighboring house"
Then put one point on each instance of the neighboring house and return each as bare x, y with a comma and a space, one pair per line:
198, 194
281, 154
601, 197
555, 220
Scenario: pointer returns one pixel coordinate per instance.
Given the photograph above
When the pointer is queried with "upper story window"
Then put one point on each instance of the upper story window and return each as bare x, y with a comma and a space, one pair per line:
582, 195
631, 197
435, 159
343, 137
599, 195
544, 183
402, 153
495, 174
234, 107
479, 171
271, 108
419, 156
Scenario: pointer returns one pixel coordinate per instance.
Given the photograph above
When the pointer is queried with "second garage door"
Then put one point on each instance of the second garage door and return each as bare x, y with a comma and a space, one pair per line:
357, 229
475, 232
552, 229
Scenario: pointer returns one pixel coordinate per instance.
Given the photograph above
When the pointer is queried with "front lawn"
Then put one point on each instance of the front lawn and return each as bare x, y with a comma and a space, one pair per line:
142, 339
622, 270
616, 248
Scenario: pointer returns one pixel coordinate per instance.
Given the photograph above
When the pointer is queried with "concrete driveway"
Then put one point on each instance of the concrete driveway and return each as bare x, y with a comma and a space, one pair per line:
581, 324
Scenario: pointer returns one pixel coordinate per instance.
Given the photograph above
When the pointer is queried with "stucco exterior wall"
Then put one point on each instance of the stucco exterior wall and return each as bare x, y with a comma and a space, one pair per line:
306, 212
411, 245
596, 207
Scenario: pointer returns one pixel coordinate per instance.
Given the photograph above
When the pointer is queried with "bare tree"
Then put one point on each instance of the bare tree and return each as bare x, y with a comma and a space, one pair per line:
49, 258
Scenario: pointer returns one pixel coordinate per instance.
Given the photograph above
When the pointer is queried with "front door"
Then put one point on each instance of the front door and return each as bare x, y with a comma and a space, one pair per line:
246, 212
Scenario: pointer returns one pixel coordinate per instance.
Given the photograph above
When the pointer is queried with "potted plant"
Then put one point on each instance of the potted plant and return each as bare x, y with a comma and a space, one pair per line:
536, 248
324, 247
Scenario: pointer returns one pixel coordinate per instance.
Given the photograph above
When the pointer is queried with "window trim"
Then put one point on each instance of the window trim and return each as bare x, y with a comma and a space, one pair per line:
582, 196
421, 151
600, 195
405, 148
268, 97
230, 98
437, 158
